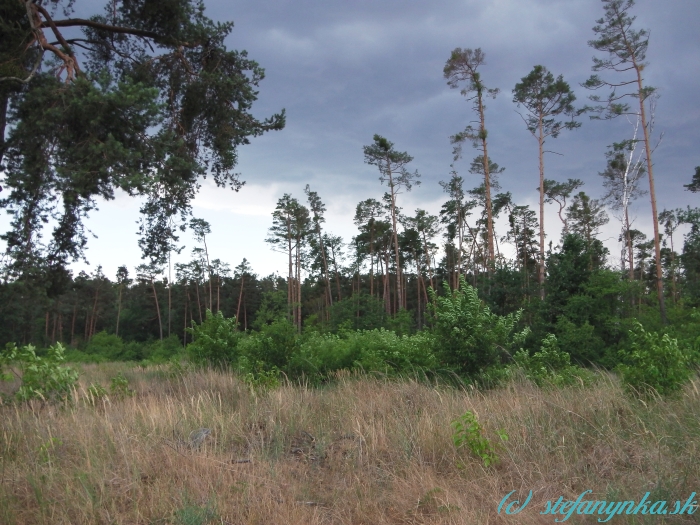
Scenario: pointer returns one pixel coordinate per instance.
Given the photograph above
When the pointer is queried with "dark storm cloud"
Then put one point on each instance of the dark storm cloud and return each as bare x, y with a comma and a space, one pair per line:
346, 70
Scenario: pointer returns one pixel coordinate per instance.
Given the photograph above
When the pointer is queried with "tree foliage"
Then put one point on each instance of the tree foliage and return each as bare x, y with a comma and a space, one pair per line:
148, 100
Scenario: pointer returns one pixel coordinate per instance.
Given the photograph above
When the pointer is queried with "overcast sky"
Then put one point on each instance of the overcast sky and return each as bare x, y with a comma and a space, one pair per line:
347, 70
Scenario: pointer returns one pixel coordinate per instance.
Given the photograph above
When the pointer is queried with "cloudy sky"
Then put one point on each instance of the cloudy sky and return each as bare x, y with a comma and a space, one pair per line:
347, 70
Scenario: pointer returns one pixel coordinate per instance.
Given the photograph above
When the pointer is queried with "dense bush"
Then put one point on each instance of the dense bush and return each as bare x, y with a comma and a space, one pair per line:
470, 337
271, 347
42, 377
370, 350
550, 365
214, 341
654, 362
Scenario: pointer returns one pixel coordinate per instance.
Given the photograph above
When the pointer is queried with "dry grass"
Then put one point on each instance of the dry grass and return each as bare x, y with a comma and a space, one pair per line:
362, 451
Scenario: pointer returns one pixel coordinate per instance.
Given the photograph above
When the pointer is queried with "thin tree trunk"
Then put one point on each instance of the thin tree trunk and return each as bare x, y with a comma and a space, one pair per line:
290, 284
119, 309
487, 186
540, 142
337, 274
399, 292
199, 302
94, 315
72, 326
170, 281
155, 296
325, 265
630, 249
206, 252
240, 298
184, 329
652, 192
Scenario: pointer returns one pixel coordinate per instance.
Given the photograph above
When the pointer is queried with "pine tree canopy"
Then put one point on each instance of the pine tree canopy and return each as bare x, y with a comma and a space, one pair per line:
145, 98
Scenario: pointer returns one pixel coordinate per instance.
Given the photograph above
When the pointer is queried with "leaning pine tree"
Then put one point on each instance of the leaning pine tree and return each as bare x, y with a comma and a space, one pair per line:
626, 49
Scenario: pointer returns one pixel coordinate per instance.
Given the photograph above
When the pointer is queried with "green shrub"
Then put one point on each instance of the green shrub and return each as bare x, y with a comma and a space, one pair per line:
550, 365
469, 433
471, 338
42, 377
581, 342
214, 341
158, 352
76, 356
260, 379
119, 386
107, 345
370, 350
653, 362
388, 352
95, 392
321, 354
273, 346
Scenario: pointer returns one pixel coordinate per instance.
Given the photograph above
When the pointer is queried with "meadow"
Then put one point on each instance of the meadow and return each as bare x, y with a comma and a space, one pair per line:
361, 449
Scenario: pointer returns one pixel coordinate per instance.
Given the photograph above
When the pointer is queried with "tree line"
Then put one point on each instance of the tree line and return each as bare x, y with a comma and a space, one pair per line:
168, 104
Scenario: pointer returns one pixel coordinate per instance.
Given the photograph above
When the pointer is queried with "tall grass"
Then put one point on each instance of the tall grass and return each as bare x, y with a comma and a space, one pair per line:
361, 450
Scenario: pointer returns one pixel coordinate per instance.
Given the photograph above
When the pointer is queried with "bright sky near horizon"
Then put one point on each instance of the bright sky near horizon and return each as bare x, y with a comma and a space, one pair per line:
347, 70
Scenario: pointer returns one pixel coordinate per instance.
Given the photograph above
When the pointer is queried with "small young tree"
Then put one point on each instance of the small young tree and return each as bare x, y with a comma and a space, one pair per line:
545, 99
586, 216
626, 48
462, 67
392, 170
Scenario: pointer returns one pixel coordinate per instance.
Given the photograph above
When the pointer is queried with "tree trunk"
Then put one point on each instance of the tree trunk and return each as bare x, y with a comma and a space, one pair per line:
399, 291
170, 285
155, 296
240, 298
199, 302
540, 141
184, 329
72, 326
630, 248
325, 265
487, 186
119, 309
337, 274
290, 284
206, 252
94, 315
371, 261
652, 194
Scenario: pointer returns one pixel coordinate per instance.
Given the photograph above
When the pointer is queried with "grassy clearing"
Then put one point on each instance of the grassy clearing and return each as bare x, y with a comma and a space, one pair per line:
362, 450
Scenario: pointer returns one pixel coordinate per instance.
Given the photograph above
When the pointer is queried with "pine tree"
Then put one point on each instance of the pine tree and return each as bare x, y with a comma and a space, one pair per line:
462, 67
545, 99
626, 48
392, 170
